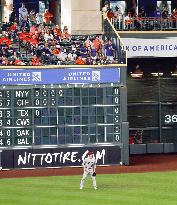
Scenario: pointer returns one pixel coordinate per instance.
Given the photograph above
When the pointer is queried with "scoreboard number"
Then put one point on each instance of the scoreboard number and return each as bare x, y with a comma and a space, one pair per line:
52, 93
37, 102
117, 138
37, 113
60, 93
170, 119
45, 93
1, 103
116, 91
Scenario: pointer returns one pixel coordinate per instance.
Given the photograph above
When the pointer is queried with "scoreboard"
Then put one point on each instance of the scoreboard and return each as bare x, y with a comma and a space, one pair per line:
62, 108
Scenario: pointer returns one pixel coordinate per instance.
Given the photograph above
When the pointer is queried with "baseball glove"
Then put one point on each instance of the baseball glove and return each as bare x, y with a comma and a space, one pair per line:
94, 174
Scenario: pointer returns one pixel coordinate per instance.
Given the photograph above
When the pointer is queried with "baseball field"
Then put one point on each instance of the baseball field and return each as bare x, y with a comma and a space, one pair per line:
149, 180
123, 189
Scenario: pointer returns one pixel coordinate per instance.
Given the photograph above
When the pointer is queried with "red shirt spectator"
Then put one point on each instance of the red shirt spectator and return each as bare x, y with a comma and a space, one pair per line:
56, 51
18, 62
57, 30
13, 27
24, 35
97, 43
110, 15
80, 61
5, 40
35, 61
33, 41
48, 17
131, 139
174, 14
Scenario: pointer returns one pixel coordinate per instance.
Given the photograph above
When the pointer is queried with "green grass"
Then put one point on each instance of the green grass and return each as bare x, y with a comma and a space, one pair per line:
121, 189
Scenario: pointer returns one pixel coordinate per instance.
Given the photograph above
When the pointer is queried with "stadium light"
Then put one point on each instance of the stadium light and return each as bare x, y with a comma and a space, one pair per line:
174, 74
137, 74
156, 74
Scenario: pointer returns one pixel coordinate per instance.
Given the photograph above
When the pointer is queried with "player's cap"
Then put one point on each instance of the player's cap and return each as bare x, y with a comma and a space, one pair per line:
89, 153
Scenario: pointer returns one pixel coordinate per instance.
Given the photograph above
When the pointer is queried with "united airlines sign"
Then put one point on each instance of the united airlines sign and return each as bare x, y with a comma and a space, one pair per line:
59, 76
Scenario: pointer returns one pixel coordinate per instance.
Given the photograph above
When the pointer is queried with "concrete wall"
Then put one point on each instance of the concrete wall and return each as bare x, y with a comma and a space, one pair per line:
81, 16
85, 5
66, 14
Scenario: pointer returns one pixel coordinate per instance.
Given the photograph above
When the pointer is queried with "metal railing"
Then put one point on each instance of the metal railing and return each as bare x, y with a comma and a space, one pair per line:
123, 23
111, 33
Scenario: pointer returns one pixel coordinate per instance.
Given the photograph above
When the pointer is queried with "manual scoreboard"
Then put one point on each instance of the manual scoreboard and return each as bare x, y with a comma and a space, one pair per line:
64, 107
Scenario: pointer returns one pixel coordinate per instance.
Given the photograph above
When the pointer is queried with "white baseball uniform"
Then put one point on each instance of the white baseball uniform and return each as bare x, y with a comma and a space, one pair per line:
23, 14
89, 167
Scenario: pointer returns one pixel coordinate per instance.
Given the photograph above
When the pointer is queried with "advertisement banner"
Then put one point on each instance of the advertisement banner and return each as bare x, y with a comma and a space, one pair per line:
59, 76
139, 47
58, 157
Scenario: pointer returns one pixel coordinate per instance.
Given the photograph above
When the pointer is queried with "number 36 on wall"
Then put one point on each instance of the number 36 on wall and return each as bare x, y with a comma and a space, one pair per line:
170, 118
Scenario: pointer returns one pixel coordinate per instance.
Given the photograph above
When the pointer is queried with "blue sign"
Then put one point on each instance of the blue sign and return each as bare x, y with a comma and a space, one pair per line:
59, 76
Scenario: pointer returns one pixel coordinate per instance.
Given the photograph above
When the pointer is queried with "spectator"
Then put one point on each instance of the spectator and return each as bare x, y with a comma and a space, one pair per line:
174, 18
58, 31
65, 35
62, 55
33, 29
32, 17
39, 18
128, 21
93, 53
72, 56
48, 35
48, 17
142, 12
157, 13
4, 60
110, 15
84, 52
5, 40
17, 62
56, 51
117, 13
109, 51
97, 43
23, 16
87, 42
80, 61
158, 16
164, 16
105, 8
56, 37
35, 61
89, 61
13, 17
13, 29
165, 13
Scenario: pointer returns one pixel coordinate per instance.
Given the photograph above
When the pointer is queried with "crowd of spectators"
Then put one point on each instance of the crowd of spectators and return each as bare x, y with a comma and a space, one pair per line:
160, 18
32, 42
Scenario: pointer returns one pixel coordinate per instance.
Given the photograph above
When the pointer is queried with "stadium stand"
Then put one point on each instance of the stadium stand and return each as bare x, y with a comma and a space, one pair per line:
41, 45
139, 20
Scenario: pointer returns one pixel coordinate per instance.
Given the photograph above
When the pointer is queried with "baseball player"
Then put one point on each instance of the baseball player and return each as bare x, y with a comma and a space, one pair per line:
89, 165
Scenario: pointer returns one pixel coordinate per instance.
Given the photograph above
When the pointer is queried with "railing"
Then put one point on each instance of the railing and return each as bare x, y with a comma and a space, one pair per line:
144, 24
111, 33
